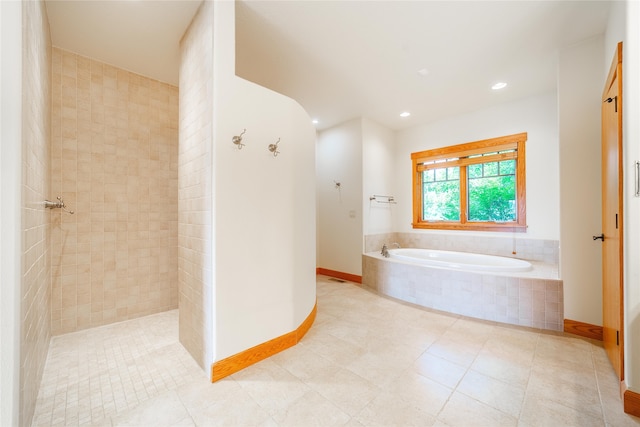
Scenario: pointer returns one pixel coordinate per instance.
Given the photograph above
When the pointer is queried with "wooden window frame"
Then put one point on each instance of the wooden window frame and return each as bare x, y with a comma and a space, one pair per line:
459, 156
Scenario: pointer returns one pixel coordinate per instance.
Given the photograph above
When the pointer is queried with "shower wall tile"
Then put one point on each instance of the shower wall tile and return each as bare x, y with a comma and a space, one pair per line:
36, 264
195, 217
114, 161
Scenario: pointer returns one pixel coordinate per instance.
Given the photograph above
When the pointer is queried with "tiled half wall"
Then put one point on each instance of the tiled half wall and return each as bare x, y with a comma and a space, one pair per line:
523, 301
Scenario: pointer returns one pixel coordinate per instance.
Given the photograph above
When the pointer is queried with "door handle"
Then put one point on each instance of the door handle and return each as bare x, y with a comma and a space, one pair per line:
601, 237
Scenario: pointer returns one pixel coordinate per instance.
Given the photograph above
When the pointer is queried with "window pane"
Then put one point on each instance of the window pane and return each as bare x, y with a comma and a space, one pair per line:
491, 169
428, 176
442, 198
492, 198
508, 167
441, 174
474, 171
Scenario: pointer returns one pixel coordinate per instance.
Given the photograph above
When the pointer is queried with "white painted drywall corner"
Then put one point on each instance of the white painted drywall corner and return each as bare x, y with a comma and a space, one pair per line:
580, 82
631, 136
10, 194
340, 193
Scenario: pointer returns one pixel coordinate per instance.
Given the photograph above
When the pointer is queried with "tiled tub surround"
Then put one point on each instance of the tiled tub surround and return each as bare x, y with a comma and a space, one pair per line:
533, 299
546, 251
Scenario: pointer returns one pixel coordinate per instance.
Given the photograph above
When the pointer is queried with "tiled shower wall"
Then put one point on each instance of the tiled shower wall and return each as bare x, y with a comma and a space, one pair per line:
36, 264
195, 211
114, 161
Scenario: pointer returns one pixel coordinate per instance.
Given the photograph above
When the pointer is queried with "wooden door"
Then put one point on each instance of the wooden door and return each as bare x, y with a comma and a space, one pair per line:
612, 291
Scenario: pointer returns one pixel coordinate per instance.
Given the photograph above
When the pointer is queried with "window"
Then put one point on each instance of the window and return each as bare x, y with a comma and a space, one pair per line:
474, 186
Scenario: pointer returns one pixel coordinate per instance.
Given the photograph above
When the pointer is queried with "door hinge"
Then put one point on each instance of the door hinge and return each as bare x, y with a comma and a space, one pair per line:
615, 102
617, 337
616, 221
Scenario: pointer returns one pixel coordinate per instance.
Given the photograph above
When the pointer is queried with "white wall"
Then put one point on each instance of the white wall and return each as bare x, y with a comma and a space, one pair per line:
378, 177
535, 115
264, 224
339, 159
580, 83
623, 25
10, 224
631, 135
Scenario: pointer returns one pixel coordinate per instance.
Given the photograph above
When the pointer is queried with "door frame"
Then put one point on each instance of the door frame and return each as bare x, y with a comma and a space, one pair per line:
615, 75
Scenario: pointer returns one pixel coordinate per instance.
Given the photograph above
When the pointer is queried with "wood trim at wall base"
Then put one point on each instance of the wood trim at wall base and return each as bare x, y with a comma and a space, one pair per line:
582, 329
339, 275
237, 362
631, 401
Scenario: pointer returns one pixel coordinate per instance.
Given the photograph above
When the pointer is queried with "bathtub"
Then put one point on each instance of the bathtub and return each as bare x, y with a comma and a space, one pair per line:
460, 260
505, 290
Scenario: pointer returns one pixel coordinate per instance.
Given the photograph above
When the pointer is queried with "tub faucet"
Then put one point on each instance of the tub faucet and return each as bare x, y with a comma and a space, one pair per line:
397, 245
385, 251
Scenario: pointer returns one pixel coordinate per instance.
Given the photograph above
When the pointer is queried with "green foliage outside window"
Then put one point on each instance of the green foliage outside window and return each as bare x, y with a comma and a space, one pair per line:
491, 192
472, 186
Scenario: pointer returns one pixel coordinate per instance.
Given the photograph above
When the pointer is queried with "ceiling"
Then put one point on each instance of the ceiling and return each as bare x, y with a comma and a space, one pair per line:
347, 59
142, 36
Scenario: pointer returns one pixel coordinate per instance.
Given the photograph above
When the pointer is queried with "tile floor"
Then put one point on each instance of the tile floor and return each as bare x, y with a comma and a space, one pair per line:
367, 361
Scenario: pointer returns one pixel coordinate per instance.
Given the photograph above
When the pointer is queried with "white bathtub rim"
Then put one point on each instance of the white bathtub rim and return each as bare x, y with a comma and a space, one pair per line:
461, 260
540, 270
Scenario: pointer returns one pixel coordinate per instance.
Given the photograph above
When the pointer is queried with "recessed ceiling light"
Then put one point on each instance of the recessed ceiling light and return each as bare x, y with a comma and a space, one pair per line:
314, 121
423, 72
499, 85
405, 114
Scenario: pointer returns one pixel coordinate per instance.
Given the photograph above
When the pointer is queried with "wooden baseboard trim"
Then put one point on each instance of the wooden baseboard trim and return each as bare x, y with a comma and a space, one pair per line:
237, 362
582, 329
339, 275
631, 402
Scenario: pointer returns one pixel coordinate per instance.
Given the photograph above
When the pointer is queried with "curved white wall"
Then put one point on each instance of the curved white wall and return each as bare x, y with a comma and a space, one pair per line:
264, 206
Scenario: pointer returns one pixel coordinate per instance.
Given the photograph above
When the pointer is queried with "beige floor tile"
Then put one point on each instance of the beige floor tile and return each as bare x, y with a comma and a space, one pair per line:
346, 390
511, 368
235, 408
271, 386
367, 361
458, 352
165, 410
311, 409
462, 410
421, 392
495, 393
330, 347
565, 390
539, 411
440, 370
390, 410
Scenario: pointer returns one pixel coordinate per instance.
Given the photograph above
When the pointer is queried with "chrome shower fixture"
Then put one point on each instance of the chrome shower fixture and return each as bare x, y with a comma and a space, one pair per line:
57, 205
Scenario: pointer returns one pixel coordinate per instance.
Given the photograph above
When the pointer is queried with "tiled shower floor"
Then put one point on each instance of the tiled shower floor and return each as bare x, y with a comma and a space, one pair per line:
367, 361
